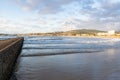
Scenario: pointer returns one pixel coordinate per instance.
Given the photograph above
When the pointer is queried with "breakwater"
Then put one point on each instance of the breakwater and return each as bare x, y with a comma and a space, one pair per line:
9, 52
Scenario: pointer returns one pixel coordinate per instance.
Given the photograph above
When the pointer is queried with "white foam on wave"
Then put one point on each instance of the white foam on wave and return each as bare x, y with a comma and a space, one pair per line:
54, 45
69, 40
100, 41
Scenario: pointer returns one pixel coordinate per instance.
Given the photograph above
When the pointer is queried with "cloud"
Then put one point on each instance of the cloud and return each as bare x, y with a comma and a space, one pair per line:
42, 6
11, 27
3, 21
66, 15
97, 9
102, 8
98, 14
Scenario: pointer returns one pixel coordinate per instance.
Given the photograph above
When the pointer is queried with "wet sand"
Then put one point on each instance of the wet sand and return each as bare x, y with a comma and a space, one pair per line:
84, 66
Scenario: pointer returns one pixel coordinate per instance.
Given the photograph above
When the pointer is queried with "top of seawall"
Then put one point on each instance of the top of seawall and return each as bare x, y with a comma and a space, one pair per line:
6, 43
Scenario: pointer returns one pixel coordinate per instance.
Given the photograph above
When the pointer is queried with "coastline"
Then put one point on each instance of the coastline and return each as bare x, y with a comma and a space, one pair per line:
87, 36
117, 37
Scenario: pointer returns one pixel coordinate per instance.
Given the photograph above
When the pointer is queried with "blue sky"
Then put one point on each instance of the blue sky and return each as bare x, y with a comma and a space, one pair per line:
29, 16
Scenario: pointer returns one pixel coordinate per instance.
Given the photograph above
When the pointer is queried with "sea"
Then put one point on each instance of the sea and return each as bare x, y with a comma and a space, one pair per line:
68, 58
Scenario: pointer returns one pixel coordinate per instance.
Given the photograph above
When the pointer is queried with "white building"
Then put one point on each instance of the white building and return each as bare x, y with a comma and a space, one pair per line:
102, 34
111, 32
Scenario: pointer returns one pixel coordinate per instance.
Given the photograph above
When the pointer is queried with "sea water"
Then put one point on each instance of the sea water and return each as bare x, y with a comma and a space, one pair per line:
69, 58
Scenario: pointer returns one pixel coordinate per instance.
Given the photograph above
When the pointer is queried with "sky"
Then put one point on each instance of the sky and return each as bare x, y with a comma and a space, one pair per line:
41, 16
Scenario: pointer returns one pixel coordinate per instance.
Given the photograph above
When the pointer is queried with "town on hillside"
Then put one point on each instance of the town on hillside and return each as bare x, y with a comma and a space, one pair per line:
76, 33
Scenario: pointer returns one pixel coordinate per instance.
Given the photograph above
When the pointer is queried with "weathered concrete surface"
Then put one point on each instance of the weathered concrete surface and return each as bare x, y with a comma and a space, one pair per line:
9, 52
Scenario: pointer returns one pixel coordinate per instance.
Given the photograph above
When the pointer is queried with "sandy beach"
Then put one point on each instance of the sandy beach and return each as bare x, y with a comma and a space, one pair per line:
118, 37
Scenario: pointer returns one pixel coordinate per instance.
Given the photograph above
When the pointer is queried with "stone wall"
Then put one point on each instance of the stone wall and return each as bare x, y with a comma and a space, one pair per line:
9, 53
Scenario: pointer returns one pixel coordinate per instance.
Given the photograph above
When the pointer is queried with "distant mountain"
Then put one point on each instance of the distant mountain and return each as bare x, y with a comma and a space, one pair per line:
71, 32
84, 31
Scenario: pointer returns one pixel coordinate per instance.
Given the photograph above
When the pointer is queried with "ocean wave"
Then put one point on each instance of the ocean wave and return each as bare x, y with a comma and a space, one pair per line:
71, 41
43, 38
59, 53
72, 47
36, 39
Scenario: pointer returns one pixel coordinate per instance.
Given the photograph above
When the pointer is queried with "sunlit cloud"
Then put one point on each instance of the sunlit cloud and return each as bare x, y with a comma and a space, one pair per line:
42, 6
60, 15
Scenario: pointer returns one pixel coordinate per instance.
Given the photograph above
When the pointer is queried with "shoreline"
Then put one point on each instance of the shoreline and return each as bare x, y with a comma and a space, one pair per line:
87, 36
113, 37
117, 37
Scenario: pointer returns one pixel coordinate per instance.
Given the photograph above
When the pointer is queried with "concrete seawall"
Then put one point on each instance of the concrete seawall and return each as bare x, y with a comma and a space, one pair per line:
9, 52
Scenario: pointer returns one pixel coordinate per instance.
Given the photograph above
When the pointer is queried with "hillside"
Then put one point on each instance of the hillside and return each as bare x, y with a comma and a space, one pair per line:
84, 31
72, 33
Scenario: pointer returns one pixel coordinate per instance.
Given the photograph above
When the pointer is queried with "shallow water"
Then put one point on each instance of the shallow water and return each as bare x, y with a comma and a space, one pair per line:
69, 58
87, 66
57, 45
